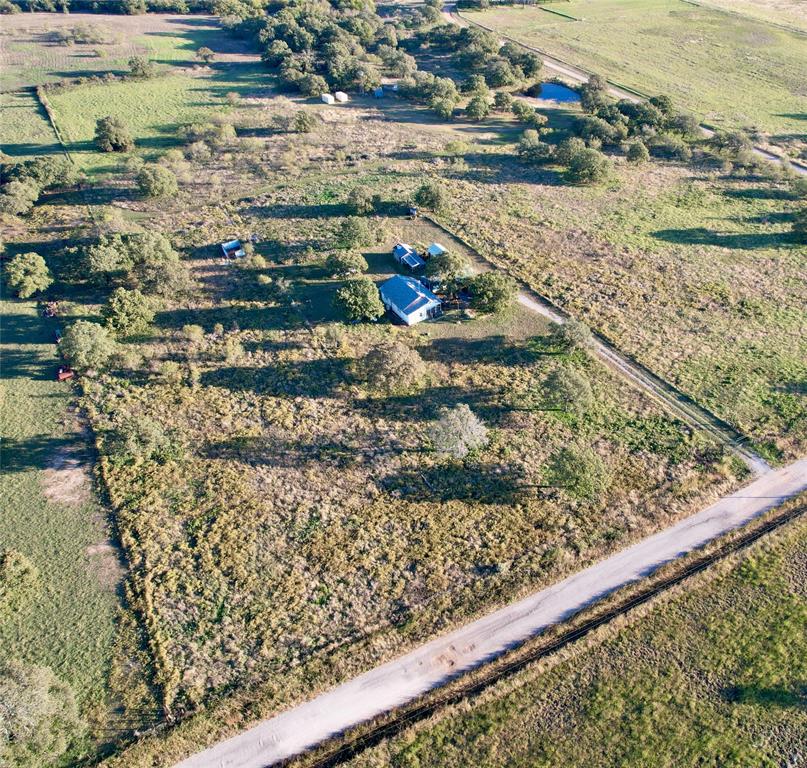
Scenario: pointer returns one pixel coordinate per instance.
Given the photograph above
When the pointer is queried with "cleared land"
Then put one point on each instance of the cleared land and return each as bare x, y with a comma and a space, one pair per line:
70, 620
734, 72
712, 676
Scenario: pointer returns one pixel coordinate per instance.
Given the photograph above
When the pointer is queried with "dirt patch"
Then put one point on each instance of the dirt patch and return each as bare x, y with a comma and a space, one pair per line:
104, 562
67, 478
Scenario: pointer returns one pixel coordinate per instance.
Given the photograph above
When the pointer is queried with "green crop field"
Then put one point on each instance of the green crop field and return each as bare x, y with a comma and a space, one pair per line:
714, 676
733, 72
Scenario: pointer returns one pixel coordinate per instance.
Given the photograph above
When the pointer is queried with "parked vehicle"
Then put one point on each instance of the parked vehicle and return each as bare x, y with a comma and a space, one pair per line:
64, 373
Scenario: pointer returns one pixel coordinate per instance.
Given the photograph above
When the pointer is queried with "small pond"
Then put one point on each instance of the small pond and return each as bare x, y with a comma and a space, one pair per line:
555, 92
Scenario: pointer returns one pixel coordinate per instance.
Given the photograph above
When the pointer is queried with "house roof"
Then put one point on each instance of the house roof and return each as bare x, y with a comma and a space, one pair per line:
412, 260
435, 249
401, 249
407, 294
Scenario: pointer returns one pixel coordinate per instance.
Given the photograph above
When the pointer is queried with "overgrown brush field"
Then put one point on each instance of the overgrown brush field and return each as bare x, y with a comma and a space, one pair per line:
735, 72
709, 260
713, 676
308, 510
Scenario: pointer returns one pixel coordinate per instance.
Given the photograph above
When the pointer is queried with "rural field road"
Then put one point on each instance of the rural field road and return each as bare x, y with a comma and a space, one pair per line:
659, 390
433, 664
564, 69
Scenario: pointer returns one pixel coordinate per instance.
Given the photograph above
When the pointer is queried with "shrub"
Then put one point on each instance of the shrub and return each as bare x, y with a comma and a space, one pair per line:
478, 108
359, 300
431, 196
502, 101
19, 197
579, 471
668, 145
142, 439
493, 292
443, 107
141, 67
568, 148
361, 201
157, 181
587, 166
128, 313
637, 152
346, 263
393, 368
353, 232
568, 389
204, 54
112, 135
532, 150
304, 122
571, 335
458, 432
18, 578
86, 345
39, 717
27, 273
528, 115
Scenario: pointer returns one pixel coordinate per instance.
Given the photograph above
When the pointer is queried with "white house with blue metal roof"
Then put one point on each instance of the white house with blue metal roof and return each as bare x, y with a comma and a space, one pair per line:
409, 299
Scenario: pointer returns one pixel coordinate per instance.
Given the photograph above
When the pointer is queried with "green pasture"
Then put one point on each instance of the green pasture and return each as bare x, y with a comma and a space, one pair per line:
734, 72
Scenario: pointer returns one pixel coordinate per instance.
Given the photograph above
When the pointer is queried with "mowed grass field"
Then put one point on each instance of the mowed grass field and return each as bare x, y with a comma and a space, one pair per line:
24, 126
51, 516
734, 72
712, 676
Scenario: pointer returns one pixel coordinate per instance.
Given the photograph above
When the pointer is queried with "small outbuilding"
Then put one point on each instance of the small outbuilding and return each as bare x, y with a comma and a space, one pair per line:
232, 249
340, 96
327, 98
435, 249
409, 300
405, 254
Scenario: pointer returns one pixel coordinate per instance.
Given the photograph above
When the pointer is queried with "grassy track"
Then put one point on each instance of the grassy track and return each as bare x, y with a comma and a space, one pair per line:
68, 622
733, 71
711, 677
24, 127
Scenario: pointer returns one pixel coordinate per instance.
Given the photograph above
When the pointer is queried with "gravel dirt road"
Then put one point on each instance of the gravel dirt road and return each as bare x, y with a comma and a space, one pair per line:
432, 664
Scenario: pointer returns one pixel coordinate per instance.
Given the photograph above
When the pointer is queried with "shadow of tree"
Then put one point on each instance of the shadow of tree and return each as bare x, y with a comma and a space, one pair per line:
780, 696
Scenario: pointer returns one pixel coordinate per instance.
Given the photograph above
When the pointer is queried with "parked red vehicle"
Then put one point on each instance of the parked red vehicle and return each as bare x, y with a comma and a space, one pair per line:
64, 373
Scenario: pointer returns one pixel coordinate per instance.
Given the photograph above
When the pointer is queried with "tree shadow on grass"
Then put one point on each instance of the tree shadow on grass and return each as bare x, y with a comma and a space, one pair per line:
34, 452
491, 349
759, 193
739, 241
258, 318
308, 378
425, 406
461, 481
771, 697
